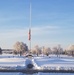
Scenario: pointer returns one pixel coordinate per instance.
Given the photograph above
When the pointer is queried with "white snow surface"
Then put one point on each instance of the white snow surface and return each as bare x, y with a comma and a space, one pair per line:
55, 62
37, 61
12, 62
41, 62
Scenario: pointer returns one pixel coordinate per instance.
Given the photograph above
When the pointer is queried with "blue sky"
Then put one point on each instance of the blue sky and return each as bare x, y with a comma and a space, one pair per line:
52, 22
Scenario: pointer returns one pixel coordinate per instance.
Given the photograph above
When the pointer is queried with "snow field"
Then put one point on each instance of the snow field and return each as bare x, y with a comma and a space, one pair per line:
54, 63
43, 63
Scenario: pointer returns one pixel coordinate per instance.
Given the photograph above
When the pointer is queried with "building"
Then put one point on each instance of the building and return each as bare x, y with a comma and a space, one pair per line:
7, 51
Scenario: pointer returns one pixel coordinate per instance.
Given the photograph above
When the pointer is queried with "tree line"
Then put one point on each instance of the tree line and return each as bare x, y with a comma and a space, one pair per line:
22, 49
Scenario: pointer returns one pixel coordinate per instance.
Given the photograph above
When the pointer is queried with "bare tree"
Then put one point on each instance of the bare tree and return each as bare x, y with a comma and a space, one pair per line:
46, 50
20, 48
0, 51
60, 50
57, 50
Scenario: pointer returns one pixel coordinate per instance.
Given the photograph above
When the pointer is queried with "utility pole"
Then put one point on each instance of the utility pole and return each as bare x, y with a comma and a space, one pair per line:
30, 29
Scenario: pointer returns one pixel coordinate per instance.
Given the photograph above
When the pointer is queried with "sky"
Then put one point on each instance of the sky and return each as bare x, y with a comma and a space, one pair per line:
52, 22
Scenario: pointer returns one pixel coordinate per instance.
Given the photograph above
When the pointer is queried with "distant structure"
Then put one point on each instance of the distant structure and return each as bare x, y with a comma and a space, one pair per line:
7, 51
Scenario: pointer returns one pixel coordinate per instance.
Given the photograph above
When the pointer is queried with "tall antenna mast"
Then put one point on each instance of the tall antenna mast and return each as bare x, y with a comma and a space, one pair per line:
30, 28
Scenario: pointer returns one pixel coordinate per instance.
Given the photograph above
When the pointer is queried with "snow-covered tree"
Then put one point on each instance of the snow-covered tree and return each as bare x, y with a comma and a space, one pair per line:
70, 50
20, 48
36, 50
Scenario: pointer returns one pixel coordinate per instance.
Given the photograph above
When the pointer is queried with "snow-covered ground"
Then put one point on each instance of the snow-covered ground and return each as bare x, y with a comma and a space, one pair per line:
55, 63
11, 62
42, 62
